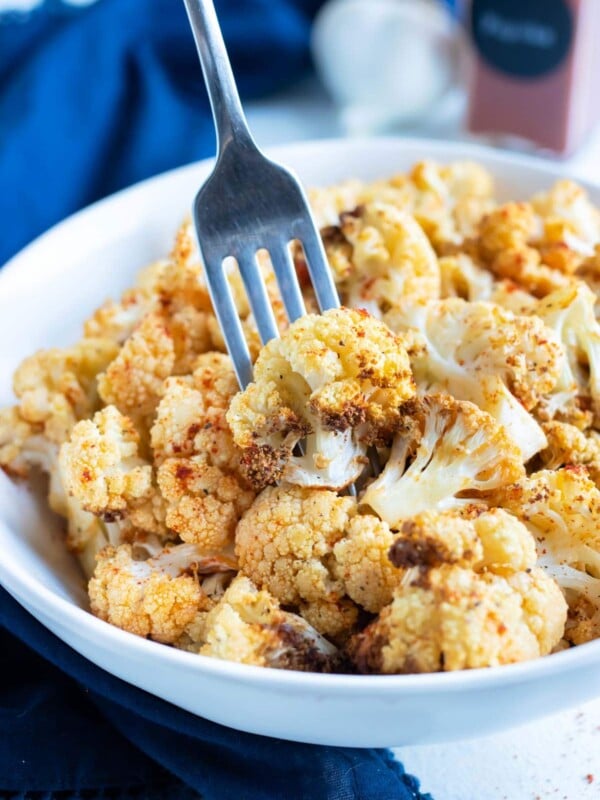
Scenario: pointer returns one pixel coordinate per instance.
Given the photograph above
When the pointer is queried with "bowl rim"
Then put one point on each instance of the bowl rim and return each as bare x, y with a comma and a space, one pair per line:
46, 602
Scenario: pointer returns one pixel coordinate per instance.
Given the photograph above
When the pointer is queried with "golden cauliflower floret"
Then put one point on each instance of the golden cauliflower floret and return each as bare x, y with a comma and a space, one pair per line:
285, 544
447, 454
391, 260
561, 508
453, 618
203, 503
571, 223
570, 314
480, 352
248, 626
156, 598
101, 465
507, 544
567, 445
362, 562
328, 203
190, 418
335, 381
57, 387
133, 381
23, 445
461, 277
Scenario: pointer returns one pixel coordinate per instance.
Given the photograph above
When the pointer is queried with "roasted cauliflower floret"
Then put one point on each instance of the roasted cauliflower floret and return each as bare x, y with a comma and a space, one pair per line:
248, 626
453, 618
569, 313
390, 260
23, 445
571, 224
133, 382
448, 453
562, 510
158, 597
101, 466
568, 446
335, 381
203, 503
462, 277
480, 352
285, 544
190, 418
57, 387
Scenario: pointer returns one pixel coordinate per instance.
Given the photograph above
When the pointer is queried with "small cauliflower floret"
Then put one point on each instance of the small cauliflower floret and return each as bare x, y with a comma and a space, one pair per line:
571, 222
390, 259
453, 618
568, 446
133, 381
285, 544
101, 465
57, 387
190, 418
158, 597
248, 626
507, 544
480, 352
362, 562
335, 381
328, 203
569, 313
203, 503
562, 510
448, 451
462, 277
23, 445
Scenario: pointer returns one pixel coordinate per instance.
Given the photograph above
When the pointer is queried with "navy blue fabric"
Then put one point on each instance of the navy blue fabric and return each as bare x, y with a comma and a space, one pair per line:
93, 731
91, 100
94, 99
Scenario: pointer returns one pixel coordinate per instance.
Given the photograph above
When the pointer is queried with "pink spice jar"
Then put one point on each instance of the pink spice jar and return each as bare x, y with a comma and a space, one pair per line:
536, 70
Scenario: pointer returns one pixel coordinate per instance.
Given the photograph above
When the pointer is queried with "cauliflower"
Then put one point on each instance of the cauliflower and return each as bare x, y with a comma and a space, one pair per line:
57, 387
101, 466
568, 446
482, 353
569, 313
23, 445
158, 597
190, 418
249, 627
571, 223
335, 381
390, 260
203, 503
285, 543
452, 617
328, 203
562, 510
462, 277
456, 451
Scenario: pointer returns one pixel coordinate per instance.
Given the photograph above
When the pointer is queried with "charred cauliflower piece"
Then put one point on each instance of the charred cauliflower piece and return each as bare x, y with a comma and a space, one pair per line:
568, 446
453, 618
101, 466
248, 626
335, 381
562, 510
480, 352
449, 451
285, 544
389, 259
159, 597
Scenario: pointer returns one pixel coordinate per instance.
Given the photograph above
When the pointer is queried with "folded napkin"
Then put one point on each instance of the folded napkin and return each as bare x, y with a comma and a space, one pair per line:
92, 99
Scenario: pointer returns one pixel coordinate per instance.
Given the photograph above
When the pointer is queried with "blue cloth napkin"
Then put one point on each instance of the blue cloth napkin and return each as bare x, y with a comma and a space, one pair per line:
92, 100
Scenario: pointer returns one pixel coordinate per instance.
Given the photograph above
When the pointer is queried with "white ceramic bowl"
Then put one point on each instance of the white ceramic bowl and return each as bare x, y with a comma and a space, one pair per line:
45, 293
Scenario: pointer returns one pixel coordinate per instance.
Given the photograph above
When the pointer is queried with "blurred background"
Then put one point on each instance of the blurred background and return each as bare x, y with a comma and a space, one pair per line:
98, 94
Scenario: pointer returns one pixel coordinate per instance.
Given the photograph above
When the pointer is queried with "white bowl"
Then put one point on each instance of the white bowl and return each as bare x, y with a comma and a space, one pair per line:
45, 293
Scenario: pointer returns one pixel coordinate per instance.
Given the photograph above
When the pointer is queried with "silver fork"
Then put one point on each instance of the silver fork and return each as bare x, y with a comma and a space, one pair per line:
249, 203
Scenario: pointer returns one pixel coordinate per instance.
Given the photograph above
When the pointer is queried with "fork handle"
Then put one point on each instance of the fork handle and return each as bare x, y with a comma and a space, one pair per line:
230, 121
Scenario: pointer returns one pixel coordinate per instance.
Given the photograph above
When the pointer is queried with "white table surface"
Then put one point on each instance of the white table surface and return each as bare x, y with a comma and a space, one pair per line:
551, 758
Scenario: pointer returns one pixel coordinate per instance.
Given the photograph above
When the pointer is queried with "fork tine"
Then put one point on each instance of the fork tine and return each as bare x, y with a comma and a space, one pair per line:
258, 298
227, 314
318, 268
287, 279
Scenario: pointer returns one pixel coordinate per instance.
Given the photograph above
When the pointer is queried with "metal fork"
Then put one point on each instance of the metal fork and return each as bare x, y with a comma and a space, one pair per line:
249, 203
